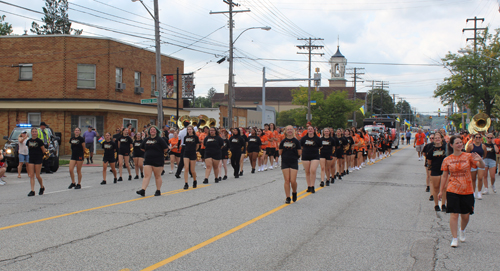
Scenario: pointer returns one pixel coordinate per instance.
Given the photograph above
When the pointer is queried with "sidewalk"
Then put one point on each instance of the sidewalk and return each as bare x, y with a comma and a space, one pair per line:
97, 161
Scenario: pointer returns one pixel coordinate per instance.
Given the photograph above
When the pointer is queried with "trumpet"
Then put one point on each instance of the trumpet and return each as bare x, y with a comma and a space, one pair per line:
131, 149
86, 153
347, 147
261, 153
229, 154
198, 156
46, 155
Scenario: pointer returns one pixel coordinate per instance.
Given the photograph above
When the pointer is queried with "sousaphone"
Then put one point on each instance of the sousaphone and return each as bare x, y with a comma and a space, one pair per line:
182, 120
479, 123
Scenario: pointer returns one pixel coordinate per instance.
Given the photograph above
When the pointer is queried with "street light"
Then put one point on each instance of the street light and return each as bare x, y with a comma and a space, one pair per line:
230, 87
158, 60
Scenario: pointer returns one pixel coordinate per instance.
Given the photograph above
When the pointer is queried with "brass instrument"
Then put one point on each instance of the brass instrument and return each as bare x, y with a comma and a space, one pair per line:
347, 147
261, 153
203, 121
46, 155
212, 122
86, 153
246, 154
479, 123
195, 121
229, 154
181, 120
131, 149
198, 156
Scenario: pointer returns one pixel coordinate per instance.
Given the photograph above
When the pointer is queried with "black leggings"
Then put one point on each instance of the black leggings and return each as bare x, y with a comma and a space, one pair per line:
235, 162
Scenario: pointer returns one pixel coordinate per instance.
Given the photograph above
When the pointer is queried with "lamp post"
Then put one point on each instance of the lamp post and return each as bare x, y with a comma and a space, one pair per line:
158, 60
230, 87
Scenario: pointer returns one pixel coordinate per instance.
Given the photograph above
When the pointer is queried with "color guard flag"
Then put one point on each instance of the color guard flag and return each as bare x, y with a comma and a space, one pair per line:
101, 140
362, 109
407, 123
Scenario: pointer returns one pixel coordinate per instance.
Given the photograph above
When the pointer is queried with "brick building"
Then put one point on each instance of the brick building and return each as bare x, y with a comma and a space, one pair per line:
74, 81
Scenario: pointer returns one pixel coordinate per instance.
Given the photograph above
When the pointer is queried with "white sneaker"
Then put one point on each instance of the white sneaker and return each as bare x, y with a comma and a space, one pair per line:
485, 191
494, 188
170, 172
461, 235
454, 242
2, 182
265, 168
479, 195
357, 168
270, 167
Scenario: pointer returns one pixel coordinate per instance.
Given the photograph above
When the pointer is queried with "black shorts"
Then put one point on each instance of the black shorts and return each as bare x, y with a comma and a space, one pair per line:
154, 163
191, 155
257, 150
108, 160
459, 204
270, 151
365, 153
339, 154
225, 155
326, 156
436, 172
202, 153
215, 155
138, 154
276, 153
76, 157
349, 152
290, 164
127, 153
176, 154
310, 157
35, 160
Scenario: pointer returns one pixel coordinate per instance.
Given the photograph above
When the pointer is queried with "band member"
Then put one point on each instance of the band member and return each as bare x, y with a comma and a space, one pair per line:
109, 146
191, 144
225, 155
244, 150
236, 144
326, 156
264, 145
182, 134
333, 164
279, 135
36, 150
43, 135
269, 148
490, 161
290, 151
154, 148
77, 146
175, 151
253, 148
138, 156
311, 145
478, 147
125, 143
213, 153
434, 158
349, 156
342, 142
201, 137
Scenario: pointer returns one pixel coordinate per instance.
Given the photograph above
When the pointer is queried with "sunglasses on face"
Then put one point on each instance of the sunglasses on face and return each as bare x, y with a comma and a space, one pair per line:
489, 137
477, 137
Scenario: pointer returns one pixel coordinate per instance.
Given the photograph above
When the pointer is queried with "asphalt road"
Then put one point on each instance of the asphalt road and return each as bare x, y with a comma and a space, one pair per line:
378, 218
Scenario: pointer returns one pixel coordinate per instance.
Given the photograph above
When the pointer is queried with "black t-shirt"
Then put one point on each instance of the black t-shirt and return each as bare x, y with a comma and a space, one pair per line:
327, 144
310, 145
213, 143
76, 146
125, 142
109, 149
350, 141
436, 156
137, 148
225, 145
290, 147
154, 149
35, 148
490, 151
236, 143
254, 143
190, 142
427, 147
116, 137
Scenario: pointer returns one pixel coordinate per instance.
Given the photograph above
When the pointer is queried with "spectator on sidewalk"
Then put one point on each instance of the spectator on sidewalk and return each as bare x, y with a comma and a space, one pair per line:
89, 142
23, 152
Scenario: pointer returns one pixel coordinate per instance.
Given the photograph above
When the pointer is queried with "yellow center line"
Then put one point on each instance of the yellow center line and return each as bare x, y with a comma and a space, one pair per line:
96, 208
222, 235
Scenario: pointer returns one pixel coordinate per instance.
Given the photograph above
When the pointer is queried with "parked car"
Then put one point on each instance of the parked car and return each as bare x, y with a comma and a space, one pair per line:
10, 148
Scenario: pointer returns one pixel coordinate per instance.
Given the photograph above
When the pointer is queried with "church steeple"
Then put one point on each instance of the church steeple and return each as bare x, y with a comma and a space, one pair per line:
338, 63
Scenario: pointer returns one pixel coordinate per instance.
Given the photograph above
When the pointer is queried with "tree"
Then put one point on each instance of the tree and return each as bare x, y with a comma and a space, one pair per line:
5, 28
403, 108
202, 102
294, 116
211, 93
330, 112
56, 19
379, 102
475, 76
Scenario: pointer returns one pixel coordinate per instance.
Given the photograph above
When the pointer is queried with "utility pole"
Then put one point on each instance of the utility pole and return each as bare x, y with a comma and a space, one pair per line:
230, 87
309, 46
355, 78
475, 29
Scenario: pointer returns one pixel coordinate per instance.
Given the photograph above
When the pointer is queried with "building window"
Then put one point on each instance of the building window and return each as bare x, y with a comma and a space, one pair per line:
34, 118
153, 82
152, 121
225, 123
119, 75
86, 76
25, 72
137, 79
127, 121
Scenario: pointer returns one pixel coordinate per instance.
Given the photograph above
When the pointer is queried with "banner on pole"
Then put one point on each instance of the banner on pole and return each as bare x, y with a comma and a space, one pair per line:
187, 86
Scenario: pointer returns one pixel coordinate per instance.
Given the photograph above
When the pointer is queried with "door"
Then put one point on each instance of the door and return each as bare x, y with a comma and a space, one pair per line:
84, 122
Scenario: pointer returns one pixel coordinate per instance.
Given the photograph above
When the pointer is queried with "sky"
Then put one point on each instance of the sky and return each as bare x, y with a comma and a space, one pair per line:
395, 41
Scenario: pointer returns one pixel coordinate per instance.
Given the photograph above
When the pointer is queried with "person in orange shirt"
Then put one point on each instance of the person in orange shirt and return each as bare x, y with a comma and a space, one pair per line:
265, 143
457, 182
419, 143
201, 137
276, 143
270, 147
175, 151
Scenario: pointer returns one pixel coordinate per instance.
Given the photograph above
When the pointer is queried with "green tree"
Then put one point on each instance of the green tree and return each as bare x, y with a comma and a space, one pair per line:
5, 28
211, 93
294, 116
202, 102
379, 102
403, 108
474, 76
56, 19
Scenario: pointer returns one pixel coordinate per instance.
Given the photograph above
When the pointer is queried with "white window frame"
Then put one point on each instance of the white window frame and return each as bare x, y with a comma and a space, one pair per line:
32, 114
119, 75
126, 121
137, 79
86, 80
28, 67
153, 84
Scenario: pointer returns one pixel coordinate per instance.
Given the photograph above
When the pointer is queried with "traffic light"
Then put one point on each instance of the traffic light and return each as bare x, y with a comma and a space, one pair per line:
439, 112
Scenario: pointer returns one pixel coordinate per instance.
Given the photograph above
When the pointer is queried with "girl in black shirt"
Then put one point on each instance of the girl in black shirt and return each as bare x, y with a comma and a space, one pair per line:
435, 156
290, 151
326, 156
109, 147
138, 156
224, 150
342, 142
154, 148
36, 150
125, 143
213, 153
333, 164
236, 143
349, 150
311, 144
253, 147
77, 146
191, 144
244, 150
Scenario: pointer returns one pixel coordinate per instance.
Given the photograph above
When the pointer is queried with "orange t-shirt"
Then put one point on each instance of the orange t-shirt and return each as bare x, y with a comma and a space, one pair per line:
277, 140
356, 141
497, 142
419, 139
173, 141
270, 138
459, 178
263, 138
201, 137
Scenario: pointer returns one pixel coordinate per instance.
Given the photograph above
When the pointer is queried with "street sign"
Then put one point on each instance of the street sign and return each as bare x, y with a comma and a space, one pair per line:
149, 101
313, 102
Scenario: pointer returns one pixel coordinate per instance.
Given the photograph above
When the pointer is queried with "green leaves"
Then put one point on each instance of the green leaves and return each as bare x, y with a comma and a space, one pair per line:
56, 19
5, 28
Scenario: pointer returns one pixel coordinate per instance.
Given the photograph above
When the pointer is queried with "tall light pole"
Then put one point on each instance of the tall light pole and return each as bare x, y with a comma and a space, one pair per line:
158, 80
